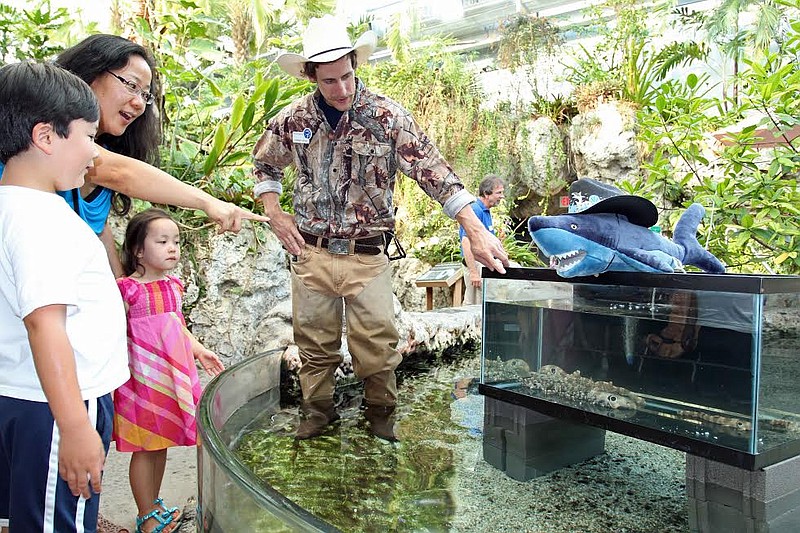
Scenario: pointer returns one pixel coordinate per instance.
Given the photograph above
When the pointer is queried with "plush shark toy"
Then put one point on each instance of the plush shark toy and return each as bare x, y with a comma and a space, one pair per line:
607, 230
585, 244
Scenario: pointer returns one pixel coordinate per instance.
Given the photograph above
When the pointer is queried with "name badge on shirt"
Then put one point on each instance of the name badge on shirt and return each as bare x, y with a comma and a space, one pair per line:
302, 137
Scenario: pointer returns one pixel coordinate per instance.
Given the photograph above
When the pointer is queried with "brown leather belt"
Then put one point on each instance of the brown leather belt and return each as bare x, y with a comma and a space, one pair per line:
336, 246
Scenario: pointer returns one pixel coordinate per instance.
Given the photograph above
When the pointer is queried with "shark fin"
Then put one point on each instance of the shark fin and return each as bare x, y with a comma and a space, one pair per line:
685, 235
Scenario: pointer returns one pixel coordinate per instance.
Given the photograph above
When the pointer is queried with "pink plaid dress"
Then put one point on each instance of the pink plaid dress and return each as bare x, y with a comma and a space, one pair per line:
155, 408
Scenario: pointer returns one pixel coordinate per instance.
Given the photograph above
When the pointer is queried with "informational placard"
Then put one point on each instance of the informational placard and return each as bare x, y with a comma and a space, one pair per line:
441, 275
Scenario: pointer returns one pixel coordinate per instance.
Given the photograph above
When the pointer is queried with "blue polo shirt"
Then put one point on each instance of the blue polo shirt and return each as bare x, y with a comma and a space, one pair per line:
483, 214
93, 209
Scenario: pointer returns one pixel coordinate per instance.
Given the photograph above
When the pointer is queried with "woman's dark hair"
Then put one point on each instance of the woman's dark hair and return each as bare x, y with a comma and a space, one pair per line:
93, 57
135, 234
33, 93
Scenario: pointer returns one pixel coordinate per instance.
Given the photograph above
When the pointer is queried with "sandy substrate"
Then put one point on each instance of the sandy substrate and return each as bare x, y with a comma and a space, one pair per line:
634, 487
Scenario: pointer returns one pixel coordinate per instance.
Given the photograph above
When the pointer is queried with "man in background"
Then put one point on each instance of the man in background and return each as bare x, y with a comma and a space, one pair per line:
491, 192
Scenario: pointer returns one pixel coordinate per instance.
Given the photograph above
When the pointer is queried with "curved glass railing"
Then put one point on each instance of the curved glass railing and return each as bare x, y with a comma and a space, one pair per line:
231, 498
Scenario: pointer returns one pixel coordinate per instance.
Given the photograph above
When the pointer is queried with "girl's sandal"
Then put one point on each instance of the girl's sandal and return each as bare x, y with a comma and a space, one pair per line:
163, 522
174, 512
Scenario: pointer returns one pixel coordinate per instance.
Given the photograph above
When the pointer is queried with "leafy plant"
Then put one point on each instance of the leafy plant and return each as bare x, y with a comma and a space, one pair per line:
524, 38
35, 33
752, 223
625, 59
215, 107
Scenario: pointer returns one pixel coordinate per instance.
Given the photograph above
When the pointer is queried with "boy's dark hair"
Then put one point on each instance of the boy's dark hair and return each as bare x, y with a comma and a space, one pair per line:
33, 93
93, 57
310, 68
135, 234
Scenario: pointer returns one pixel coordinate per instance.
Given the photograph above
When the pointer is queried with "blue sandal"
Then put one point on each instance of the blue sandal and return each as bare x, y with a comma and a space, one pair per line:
169, 511
164, 518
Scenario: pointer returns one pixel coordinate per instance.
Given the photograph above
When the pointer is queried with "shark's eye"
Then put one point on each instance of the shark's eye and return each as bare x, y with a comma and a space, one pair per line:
573, 226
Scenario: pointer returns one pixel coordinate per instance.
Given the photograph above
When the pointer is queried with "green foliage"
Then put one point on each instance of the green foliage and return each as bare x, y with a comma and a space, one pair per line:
624, 58
753, 222
674, 129
522, 252
560, 109
37, 32
216, 105
215, 108
524, 38
441, 247
760, 197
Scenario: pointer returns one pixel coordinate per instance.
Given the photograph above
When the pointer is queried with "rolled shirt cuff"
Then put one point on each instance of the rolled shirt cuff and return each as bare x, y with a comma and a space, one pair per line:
267, 186
457, 202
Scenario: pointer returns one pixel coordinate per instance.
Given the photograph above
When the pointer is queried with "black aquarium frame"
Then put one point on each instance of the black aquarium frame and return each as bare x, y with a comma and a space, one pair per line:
714, 452
746, 283
741, 283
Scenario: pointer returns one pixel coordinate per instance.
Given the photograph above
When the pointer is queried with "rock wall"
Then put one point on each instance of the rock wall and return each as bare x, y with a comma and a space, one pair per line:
599, 143
603, 142
239, 279
543, 157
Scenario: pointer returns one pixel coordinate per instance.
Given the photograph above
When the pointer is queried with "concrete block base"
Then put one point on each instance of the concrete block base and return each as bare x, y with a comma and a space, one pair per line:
726, 498
526, 444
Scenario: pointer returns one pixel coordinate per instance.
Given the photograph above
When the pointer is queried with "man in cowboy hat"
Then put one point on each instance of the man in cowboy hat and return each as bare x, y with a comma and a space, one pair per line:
347, 144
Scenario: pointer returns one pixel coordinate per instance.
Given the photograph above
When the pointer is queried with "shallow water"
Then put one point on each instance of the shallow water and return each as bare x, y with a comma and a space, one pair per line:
357, 482
435, 478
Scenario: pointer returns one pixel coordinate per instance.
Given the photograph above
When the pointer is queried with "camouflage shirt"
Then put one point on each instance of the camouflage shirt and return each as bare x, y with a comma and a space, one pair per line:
345, 179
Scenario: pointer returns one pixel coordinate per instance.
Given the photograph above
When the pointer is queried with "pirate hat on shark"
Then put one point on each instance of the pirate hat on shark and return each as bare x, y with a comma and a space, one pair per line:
607, 230
591, 196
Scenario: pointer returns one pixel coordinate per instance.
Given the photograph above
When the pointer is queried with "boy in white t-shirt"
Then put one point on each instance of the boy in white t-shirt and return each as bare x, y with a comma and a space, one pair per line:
62, 340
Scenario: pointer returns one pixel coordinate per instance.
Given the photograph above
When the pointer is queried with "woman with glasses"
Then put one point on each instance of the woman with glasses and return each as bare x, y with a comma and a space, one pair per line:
121, 74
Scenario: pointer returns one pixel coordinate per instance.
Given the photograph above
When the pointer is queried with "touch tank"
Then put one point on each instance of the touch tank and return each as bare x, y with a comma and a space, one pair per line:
255, 477
231, 499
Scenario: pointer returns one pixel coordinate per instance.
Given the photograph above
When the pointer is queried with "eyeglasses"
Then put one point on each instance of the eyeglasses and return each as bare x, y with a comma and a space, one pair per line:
134, 89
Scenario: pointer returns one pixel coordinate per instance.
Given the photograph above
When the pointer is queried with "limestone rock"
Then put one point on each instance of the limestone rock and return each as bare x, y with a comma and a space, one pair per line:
240, 279
543, 157
603, 142
439, 330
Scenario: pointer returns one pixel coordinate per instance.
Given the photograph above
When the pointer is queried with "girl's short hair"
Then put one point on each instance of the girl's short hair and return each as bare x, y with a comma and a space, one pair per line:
93, 57
135, 234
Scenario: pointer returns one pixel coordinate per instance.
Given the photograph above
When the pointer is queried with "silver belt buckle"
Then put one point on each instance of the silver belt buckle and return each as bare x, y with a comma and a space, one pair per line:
339, 246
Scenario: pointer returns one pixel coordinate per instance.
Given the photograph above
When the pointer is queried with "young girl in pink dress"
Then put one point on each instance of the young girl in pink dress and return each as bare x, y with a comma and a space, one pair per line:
155, 409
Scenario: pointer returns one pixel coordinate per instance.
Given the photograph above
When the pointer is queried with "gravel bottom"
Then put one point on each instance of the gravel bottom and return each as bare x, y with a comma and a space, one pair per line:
635, 486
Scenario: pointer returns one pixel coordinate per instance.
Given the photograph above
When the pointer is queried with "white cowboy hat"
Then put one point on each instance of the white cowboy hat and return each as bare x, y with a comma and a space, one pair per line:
326, 40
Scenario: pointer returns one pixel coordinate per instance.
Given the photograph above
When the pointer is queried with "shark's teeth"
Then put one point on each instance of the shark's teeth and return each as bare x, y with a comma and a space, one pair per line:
566, 260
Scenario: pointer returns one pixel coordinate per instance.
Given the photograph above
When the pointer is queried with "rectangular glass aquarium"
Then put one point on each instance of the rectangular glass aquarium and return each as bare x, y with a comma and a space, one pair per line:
707, 364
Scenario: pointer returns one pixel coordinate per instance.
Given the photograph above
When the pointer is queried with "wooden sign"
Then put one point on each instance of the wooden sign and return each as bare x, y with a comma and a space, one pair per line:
443, 275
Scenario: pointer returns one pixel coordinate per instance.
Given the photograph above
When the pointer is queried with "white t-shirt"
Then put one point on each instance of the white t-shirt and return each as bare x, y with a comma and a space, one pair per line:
48, 255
